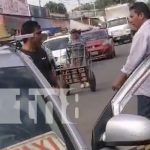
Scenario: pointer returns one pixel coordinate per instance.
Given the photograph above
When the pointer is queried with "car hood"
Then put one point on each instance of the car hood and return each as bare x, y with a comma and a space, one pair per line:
95, 42
59, 53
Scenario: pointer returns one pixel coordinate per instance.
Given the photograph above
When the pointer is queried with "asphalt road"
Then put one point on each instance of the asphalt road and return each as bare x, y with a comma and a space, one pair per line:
91, 104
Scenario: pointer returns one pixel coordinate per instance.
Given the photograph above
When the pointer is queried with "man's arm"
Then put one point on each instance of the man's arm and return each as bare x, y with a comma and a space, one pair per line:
119, 81
137, 53
54, 78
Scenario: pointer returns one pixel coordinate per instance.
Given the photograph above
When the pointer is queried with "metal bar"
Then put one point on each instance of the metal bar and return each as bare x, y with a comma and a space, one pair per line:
17, 38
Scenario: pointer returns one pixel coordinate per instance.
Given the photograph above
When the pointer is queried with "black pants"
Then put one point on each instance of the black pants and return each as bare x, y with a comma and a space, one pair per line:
144, 106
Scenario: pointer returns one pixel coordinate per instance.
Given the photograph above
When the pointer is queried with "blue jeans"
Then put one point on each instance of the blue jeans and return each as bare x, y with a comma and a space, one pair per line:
144, 106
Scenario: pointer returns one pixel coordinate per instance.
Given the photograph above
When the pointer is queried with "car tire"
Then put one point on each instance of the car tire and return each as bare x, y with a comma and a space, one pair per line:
112, 55
92, 81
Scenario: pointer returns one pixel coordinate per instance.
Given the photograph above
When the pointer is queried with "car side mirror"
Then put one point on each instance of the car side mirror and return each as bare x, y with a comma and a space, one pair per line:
127, 130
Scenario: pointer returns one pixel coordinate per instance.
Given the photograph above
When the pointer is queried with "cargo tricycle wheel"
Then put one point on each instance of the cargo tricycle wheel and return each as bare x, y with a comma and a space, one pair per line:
92, 81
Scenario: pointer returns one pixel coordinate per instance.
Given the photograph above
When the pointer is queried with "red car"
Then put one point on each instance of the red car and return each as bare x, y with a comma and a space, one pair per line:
99, 44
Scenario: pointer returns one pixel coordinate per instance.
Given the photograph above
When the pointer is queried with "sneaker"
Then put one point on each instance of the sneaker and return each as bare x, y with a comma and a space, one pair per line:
86, 84
82, 86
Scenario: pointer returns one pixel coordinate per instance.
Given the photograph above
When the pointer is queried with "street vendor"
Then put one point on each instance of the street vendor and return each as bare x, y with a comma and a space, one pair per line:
76, 47
77, 53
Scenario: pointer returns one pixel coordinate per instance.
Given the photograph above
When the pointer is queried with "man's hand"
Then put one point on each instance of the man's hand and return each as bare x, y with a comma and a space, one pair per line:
119, 82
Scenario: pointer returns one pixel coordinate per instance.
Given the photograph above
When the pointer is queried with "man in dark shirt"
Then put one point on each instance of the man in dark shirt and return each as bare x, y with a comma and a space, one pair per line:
33, 48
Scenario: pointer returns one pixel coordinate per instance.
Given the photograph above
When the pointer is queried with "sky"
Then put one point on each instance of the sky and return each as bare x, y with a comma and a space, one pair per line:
70, 4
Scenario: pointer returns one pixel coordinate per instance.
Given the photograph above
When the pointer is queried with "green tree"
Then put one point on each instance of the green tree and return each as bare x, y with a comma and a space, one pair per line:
56, 7
87, 6
101, 4
61, 8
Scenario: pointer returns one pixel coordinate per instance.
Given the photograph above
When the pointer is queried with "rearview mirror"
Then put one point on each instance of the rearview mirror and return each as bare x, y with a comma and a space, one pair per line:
127, 130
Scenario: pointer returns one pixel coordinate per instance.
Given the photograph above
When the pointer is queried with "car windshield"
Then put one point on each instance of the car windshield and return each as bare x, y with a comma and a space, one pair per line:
95, 35
21, 113
116, 22
57, 44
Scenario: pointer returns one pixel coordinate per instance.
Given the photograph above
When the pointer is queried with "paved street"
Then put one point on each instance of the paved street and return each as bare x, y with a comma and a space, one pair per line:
91, 104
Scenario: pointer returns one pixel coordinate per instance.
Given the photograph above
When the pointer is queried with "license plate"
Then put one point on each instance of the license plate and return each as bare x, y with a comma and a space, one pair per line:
94, 53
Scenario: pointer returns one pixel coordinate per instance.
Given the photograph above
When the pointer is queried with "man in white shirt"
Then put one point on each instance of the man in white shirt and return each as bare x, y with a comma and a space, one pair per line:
140, 49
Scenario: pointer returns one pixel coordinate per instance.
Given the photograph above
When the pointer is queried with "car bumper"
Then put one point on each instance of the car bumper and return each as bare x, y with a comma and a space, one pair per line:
122, 38
97, 55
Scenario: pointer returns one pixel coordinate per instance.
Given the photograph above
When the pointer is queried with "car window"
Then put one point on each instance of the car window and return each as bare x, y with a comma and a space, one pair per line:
21, 117
95, 35
57, 44
116, 22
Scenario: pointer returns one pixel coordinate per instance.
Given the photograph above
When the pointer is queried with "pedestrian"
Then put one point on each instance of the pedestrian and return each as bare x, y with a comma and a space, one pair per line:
140, 49
33, 48
76, 46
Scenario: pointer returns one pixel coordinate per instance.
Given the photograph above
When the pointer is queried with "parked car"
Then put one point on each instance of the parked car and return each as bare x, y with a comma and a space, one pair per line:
57, 45
99, 44
19, 78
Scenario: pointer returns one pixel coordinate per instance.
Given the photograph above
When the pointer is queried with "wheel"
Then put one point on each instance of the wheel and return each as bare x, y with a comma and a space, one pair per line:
67, 86
64, 85
92, 81
113, 54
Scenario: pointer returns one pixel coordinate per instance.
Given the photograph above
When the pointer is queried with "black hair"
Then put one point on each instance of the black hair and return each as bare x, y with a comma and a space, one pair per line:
29, 27
141, 7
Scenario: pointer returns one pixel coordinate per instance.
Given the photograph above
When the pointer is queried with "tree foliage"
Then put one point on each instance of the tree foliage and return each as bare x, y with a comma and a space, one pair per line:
56, 7
101, 4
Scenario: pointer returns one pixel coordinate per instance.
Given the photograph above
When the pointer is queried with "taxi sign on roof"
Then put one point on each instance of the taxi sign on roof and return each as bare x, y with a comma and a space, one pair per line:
48, 141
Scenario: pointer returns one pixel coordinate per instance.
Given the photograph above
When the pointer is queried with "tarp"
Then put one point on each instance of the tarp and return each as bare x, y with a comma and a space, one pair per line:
44, 22
79, 26
51, 31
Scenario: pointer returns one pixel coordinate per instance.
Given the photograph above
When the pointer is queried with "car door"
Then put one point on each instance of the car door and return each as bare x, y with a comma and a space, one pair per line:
118, 105
29, 109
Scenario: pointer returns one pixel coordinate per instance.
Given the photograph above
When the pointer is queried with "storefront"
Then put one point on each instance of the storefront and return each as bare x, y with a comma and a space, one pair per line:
14, 22
13, 14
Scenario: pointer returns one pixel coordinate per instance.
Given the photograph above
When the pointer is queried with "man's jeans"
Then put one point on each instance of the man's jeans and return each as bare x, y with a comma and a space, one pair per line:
144, 106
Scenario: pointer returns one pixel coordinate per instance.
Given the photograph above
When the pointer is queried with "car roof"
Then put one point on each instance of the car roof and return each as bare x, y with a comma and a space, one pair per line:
9, 58
57, 37
94, 30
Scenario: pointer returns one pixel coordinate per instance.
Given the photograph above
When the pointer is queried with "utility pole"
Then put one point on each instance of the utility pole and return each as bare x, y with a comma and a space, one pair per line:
94, 8
79, 5
40, 7
40, 3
